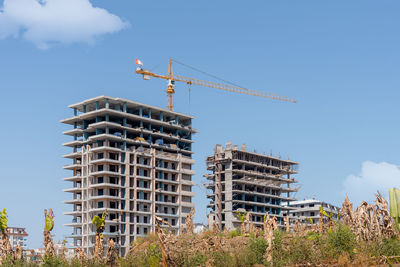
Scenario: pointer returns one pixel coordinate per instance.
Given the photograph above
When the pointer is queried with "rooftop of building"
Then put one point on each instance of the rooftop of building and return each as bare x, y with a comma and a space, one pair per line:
309, 201
91, 105
230, 146
20, 231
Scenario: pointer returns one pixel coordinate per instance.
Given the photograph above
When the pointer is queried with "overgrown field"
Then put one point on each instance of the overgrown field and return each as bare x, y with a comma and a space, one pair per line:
367, 236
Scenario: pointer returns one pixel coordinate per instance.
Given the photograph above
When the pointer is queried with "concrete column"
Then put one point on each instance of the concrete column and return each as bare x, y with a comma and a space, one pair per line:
140, 111
97, 105
124, 107
75, 112
161, 116
107, 103
84, 108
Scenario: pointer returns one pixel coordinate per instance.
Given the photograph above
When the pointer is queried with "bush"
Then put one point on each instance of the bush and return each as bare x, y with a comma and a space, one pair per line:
221, 259
389, 247
343, 240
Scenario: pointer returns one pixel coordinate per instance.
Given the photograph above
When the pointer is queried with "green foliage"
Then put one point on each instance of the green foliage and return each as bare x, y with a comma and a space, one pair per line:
241, 215
151, 257
3, 221
234, 233
100, 222
54, 261
189, 260
321, 210
341, 240
222, 259
394, 197
256, 250
48, 224
389, 247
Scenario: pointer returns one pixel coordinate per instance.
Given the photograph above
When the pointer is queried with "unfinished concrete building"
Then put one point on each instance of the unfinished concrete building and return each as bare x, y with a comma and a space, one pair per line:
131, 159
247, 180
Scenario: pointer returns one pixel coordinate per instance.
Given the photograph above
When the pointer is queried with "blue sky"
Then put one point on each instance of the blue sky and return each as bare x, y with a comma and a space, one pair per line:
339, 59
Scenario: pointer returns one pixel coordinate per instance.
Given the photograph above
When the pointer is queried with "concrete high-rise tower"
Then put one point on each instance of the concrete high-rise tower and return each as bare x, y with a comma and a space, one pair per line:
131, 159
241, 180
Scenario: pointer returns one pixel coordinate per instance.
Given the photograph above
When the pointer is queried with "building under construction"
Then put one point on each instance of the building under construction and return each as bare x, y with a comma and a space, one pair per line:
243, 180
133, 160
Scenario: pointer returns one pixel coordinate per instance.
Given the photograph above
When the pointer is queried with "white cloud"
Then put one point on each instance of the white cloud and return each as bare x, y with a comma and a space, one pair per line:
374, 176
45, 22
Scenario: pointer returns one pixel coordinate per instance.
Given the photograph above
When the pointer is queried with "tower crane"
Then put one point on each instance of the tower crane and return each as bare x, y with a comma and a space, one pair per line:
171, 78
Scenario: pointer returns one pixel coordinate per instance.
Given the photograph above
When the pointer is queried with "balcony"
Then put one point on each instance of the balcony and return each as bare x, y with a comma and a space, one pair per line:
74, 143
105, 197
73, 178
72, 166
73, 189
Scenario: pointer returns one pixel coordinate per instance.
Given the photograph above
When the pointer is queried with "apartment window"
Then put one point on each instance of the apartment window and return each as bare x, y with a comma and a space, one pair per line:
100, 204
145, 230
100, 192
114, 192
145, 219
100, 156
173, 221
113, 180
137, 230
312, 214
113, 205
100, 168
165, 210
311, 205
100, 180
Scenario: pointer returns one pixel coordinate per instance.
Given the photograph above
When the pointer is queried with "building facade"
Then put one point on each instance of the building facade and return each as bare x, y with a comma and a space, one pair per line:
304, 210
243, 180
17, 236
131, 159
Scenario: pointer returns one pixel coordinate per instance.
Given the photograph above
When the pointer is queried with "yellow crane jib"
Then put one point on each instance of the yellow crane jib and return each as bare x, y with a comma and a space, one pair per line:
171, 78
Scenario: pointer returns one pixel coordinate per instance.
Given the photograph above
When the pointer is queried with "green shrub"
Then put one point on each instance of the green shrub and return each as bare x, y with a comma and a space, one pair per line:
341, 240
222, 259
389, 247
234, 233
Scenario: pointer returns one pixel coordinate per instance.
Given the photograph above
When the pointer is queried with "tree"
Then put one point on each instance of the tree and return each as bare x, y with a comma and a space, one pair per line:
100, 224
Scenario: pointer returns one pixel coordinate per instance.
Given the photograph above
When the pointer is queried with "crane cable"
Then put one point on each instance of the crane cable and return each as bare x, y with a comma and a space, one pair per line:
208, 74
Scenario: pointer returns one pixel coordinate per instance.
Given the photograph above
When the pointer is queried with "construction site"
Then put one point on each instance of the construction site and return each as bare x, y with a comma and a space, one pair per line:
135, 162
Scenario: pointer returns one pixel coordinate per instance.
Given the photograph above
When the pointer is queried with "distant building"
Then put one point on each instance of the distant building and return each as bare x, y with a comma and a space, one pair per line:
250, 181
309, 208
199, 228
17, 235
